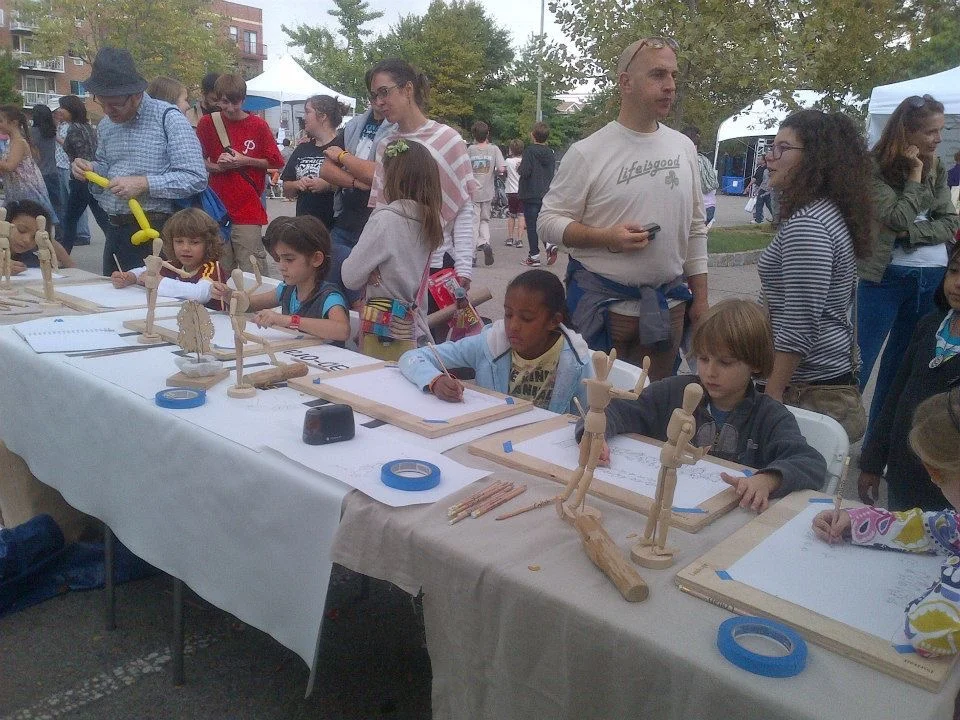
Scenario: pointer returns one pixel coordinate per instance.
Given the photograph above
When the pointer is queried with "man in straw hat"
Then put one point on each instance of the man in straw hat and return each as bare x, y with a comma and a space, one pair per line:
147, 151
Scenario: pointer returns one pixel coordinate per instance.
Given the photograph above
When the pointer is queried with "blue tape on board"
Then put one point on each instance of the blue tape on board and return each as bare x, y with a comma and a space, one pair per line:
436, 422
781, 665
723, 575
508, 446
747, 472
825, 501
180, 398
689, 510
904, 649
410, 475
510, 401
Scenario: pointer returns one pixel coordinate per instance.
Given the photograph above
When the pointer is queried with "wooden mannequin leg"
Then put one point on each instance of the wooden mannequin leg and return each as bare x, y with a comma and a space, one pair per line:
650, 529
577, 475
666, 509
596, 445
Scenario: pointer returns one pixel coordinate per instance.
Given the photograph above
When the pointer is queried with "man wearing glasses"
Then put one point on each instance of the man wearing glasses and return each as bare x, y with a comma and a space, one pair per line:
146, 151
627, 203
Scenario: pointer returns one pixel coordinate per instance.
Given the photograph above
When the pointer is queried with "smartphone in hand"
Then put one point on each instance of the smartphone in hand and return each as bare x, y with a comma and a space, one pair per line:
652, 228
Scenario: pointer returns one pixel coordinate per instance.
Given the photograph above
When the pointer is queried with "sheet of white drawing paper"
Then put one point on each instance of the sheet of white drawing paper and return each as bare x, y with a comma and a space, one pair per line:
33, 275
250, 282
223, 330
389, 387
866, 588
107, 296
634, 465
358, 462
246, 421
446, 442
69, 333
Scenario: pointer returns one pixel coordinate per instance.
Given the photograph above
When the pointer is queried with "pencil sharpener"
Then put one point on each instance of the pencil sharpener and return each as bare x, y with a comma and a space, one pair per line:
328, 424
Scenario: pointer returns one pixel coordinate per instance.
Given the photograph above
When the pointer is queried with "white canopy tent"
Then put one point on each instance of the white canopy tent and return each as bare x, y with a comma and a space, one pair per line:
944, 86
762, 118
287, 82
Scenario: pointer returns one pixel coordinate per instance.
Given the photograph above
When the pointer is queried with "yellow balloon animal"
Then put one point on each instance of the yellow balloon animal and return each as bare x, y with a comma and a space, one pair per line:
145, 233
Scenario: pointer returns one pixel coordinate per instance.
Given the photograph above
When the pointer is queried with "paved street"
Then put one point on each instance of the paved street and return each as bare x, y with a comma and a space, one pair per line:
58, 661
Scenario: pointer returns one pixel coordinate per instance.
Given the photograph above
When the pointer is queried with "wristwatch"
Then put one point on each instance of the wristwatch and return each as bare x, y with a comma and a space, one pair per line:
294, 323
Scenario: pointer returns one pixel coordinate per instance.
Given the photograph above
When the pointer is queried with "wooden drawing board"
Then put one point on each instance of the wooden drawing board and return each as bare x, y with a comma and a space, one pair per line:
381, 391
222, 346
700, 579
494, 448
80, 296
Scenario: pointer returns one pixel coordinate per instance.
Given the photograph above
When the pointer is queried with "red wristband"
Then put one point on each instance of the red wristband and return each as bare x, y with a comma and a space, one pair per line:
294, 323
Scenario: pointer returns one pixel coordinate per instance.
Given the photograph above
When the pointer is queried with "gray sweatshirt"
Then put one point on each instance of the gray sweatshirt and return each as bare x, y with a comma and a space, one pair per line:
392, 243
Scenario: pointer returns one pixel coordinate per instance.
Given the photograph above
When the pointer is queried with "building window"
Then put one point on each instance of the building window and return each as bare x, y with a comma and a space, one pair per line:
77, 88
2, 18
20, 43
37, 84
250, 42
233, 34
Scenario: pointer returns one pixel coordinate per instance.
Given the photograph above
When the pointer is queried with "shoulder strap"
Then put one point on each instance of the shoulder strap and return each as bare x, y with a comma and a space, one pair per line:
163, 121
315, 304
217, 118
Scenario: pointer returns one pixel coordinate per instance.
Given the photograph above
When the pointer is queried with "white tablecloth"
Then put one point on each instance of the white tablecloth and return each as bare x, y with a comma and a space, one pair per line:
506, 641
250, 532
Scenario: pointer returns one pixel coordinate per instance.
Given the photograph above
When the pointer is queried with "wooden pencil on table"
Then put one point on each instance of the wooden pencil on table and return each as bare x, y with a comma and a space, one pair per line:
496, 491
536, 506
478, 496
498, 500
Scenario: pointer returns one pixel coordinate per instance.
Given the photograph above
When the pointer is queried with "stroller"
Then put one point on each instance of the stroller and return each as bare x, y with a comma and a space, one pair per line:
498, 208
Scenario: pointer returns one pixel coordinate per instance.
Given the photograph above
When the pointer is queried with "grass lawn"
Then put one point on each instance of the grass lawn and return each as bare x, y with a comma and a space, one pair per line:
739, 238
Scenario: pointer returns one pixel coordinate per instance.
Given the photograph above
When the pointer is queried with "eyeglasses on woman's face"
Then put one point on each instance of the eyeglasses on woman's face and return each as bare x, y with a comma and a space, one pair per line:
776, 151
381, 93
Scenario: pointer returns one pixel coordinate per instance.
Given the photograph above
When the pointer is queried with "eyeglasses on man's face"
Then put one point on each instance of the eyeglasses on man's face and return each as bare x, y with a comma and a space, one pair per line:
656, 43
382, 92
776, 151
113, 102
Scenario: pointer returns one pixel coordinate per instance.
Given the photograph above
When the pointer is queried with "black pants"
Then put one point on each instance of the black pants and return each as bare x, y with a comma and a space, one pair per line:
76, 205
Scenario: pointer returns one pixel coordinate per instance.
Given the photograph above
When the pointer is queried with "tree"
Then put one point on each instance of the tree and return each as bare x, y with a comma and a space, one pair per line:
9, 79
180, 38
733, 52
934, 46
338, 61
475, 58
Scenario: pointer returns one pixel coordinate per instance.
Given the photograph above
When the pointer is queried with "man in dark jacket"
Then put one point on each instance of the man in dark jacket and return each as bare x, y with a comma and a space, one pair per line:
536, 173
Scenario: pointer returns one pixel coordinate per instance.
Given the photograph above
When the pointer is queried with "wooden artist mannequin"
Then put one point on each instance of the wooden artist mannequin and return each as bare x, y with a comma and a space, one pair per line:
239, 304
652, 550
600, 392
48, 262
151, 281
6, 254
597, 543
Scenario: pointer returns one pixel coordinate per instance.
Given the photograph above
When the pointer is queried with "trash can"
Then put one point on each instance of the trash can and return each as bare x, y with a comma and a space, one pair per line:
732, 185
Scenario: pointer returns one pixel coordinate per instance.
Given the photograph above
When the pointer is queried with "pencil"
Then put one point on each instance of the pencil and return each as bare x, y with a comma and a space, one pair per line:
223, 307
537, 505
498, 500
443, 367
491, 489
838, 500
117, 261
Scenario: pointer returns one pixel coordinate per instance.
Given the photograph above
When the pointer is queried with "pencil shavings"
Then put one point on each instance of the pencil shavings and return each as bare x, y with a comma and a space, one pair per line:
534, 568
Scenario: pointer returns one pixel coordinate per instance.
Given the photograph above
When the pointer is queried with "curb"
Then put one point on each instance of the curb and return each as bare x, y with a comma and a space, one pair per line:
735, 259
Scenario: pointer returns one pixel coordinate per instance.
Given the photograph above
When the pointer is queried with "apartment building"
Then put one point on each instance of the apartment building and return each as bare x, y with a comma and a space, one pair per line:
43, 81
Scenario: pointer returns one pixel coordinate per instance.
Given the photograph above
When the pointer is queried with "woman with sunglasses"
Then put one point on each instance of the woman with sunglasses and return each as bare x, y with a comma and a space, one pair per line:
819, 165
400, 94
914, 219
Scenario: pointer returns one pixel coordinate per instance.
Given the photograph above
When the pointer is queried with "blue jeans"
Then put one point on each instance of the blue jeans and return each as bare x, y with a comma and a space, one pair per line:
892, 306
342, 236
763, 199
82, 231
531, 211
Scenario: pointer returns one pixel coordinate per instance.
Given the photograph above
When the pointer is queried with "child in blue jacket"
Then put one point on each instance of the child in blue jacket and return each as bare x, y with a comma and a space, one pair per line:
529, 354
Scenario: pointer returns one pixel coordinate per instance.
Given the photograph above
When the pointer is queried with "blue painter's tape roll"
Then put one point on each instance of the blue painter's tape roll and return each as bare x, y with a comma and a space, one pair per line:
411, 475
787, 665
180, 398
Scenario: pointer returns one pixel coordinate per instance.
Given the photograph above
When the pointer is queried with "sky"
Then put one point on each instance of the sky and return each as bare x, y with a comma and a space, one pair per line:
521, 17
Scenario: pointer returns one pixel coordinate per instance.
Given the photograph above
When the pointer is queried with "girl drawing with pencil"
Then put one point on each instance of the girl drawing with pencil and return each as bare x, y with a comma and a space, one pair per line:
530, 354
932, 622
191, 240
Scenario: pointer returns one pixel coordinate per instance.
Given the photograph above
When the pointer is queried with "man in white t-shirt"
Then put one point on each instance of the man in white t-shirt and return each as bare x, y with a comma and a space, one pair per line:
611, 188
487, 162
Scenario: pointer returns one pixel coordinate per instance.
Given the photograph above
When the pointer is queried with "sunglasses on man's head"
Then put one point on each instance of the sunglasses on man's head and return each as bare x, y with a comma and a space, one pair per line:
657, 43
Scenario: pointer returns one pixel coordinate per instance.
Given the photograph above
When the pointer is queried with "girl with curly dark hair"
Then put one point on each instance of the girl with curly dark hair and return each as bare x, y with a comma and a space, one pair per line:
819, 165
915, 221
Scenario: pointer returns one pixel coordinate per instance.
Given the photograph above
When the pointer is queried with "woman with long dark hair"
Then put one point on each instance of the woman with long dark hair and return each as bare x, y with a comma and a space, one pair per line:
819, 165
81, 141
43, 138
400, 93
914, 220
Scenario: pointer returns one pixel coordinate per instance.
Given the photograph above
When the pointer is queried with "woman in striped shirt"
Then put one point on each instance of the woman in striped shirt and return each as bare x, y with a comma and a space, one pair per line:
819, 165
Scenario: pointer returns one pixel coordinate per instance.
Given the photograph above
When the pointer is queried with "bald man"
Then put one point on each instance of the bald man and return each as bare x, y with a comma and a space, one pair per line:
627, 204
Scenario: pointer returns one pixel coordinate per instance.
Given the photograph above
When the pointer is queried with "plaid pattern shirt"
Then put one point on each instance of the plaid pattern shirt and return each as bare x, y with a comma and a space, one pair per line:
164, 148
